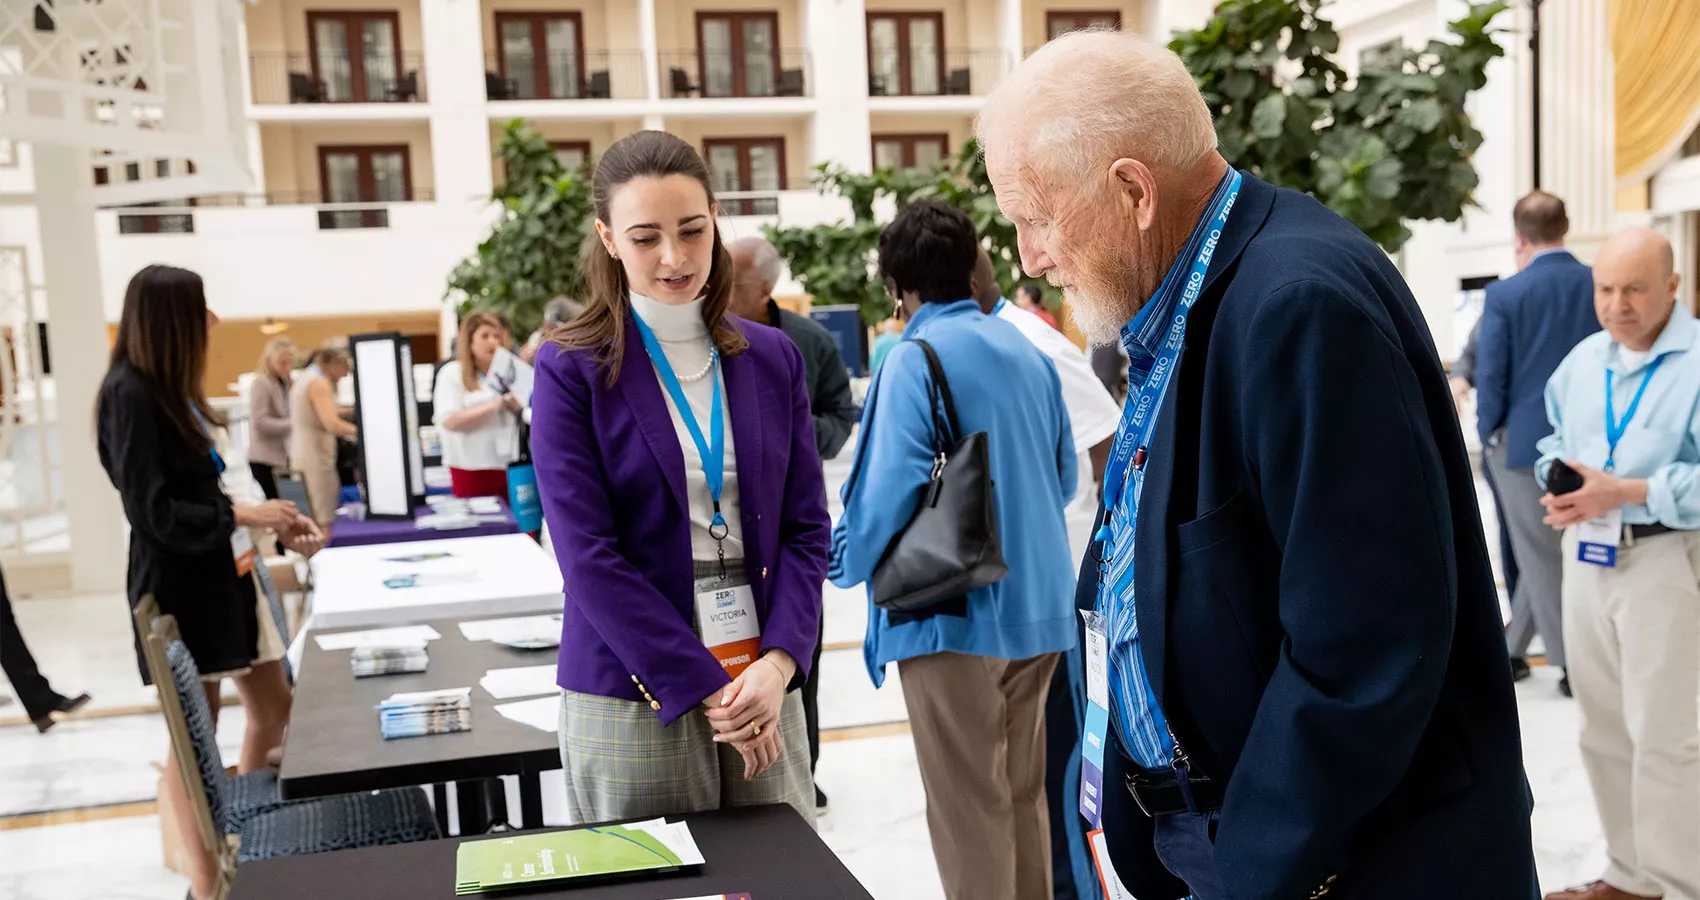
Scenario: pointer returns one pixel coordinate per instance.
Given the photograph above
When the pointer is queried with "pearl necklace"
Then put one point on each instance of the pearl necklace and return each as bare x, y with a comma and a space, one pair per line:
713, 355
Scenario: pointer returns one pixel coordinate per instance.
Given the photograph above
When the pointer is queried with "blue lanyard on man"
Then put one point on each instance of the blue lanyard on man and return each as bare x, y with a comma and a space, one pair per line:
1615, 429
713, 450
1126, 468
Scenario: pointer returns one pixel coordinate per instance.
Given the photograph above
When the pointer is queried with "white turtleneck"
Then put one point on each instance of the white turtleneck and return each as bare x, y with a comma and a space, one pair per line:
684, 340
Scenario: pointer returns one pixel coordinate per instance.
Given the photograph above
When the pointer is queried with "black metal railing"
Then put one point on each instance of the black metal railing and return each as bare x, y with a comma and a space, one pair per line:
338, 77
925, 73
704, 73
595, 75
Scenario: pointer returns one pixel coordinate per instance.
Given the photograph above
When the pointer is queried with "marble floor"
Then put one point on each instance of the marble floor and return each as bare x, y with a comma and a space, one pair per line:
876, 823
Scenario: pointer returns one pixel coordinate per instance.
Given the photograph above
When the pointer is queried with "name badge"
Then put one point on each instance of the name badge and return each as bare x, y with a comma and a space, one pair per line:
1107, 877
242, 548
1597, 539
1097, 719
726, 618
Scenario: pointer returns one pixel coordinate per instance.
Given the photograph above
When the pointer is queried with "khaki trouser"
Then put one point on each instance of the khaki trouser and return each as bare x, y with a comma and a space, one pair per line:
979, 726
1633, 634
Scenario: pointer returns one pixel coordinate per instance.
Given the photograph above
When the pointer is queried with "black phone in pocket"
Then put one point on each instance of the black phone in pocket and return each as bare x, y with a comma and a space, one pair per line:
1561, 479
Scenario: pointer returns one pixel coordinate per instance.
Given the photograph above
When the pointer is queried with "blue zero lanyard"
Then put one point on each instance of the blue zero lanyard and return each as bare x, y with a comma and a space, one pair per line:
1139, 416
713, 450
1616, 429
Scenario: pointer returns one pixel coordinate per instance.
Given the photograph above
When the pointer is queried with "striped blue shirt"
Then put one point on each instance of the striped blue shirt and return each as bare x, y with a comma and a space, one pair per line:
1135, 712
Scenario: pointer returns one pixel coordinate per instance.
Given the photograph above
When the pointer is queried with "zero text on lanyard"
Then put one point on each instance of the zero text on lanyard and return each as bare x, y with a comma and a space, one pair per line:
1615, 429
712, 450
1139, 416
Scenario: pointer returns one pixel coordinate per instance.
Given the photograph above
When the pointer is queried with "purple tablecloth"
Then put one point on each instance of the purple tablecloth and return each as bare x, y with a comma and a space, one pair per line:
350, 533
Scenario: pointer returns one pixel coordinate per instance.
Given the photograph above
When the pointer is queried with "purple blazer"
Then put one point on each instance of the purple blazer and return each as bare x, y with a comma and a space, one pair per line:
612, 477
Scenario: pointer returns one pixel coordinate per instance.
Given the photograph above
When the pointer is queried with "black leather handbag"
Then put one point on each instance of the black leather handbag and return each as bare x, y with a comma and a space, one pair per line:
951, 545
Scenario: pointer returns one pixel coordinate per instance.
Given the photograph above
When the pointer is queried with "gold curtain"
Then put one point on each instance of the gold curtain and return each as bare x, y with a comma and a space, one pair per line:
1658, 81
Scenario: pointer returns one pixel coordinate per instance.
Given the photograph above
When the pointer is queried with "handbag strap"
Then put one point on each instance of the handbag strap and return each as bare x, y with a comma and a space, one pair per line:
941, 385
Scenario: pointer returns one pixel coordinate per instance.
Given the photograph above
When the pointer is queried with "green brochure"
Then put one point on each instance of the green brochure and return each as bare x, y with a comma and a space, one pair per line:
498, 864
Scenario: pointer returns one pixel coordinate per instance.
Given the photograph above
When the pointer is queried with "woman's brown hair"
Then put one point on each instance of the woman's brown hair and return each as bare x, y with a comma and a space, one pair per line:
463, 345
162, 333
602, 325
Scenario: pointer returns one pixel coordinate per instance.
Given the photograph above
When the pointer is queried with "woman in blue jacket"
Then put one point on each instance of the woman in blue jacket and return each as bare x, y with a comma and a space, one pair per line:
975, 670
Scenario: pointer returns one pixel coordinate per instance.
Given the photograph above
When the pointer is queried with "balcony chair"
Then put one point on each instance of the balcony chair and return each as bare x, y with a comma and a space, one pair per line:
405, 89
242, 818
682, 84
304, 88
498, 88
960, 84
599, 87
790, 83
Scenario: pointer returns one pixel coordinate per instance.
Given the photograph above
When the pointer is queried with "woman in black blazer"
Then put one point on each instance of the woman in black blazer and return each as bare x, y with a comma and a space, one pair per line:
189, 545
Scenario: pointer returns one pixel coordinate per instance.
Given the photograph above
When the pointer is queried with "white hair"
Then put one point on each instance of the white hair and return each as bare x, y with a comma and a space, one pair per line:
1093, 96
766, 259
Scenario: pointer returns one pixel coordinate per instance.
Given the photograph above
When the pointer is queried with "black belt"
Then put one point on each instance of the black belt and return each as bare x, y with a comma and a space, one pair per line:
1646, 531
1165, 792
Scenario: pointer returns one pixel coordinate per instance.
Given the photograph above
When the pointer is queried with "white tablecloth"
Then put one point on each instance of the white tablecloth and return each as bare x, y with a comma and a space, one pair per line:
396, 584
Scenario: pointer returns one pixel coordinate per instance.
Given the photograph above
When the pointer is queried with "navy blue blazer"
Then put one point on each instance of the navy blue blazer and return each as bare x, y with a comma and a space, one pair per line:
1530, 322
1316, 609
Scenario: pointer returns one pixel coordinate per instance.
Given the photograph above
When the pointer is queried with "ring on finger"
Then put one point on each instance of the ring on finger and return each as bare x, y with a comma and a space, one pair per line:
755, 729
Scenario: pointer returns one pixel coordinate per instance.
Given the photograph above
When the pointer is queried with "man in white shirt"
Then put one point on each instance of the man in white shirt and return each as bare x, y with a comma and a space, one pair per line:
1094, 415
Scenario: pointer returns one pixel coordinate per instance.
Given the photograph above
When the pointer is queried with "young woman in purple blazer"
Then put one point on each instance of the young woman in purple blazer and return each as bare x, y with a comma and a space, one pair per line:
676, 460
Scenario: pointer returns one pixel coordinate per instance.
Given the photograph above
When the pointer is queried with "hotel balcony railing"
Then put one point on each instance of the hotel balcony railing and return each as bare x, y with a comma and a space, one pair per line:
960, 73
177, 217
596, 75
338, 78
704, 73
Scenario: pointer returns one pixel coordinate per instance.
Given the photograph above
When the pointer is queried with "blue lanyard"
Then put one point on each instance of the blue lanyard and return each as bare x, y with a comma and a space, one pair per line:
1615, 429
713, 450
1139, 416
218, 461
999, 308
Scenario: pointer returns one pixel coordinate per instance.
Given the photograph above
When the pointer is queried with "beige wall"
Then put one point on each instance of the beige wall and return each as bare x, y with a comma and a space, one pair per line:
960, 31
1033, 28
599, 134
676, 21
593, 13
234, 345
292, 151
794, 131
960, 128
281, 25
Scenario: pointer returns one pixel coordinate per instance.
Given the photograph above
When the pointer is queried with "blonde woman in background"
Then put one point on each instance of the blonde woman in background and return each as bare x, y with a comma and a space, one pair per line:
480, 426
268, 414
318, 424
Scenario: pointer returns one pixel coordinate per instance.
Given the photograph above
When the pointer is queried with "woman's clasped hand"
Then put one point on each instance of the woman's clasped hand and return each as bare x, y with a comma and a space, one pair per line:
745, 713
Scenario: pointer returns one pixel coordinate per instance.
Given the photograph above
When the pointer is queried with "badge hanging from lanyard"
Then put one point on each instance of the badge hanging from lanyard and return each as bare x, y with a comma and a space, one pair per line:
1097, 718
1597, 538
726, 612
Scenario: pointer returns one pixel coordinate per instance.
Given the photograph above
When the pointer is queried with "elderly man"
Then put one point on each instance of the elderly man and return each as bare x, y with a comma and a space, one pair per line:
1622, 407
755, 270
1304, 677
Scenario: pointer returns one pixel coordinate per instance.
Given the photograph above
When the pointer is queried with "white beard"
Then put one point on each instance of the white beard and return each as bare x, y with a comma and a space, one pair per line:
1099, 318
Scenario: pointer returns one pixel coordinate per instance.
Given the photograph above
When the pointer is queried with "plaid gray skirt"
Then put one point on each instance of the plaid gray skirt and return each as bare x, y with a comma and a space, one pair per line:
620, 763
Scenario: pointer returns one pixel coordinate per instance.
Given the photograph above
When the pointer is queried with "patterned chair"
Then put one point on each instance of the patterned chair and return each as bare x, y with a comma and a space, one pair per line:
242, 818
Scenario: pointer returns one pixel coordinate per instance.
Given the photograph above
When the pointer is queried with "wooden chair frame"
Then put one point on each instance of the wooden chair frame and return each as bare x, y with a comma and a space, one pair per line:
156, 630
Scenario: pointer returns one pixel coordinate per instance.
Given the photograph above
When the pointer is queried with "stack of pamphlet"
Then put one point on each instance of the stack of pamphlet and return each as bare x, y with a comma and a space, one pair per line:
395, 660
426, 712
583, 854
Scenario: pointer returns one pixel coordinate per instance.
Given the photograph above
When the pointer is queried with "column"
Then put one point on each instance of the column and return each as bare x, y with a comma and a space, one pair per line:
453, 33
651, 52
1009, 32
836, 33
70, 250
1578, 124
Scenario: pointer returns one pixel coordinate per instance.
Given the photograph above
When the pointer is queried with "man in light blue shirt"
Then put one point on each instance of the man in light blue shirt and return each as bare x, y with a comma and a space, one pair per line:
1623, 410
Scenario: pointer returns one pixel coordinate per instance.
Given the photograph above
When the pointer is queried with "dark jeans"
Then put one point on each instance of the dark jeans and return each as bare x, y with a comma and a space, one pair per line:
1186, 843
34, 692
811, 699
266, 478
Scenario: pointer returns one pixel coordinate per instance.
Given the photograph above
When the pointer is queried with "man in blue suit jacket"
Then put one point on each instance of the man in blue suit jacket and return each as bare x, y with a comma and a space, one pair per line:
1316, 620
1530, 322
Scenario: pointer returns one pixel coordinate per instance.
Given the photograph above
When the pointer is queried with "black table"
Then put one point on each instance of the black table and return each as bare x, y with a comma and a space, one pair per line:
334, 745
765, 851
